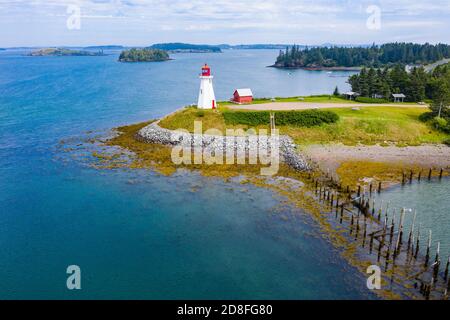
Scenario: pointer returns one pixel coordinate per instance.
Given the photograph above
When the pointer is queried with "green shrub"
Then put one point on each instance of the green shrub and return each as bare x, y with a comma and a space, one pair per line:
439, 123
307, 118
200, 113
370, 100
426, 116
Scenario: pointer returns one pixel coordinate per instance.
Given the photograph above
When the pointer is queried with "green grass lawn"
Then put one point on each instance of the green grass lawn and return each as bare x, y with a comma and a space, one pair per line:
369, 125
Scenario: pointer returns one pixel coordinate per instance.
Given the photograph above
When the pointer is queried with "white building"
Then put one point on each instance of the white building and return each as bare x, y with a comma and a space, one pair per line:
206, 97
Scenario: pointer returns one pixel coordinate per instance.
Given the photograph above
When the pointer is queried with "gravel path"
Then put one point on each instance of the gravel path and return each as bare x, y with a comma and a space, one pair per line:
313, 105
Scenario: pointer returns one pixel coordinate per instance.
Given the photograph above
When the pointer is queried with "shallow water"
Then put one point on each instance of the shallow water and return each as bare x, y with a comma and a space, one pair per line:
431, 201
137, 234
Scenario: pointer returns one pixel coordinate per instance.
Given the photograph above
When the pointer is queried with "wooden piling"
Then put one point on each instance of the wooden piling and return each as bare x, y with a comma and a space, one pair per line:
380, 211
342, 213
429, 174
411, 232
440, 174
437, 262
419, 177
359, 191
371, 243
411, 176
427, 256
379, 187
370, 189
380, 246
403, 178
351, 225
416, 253
357, 228
365, 232
446, 268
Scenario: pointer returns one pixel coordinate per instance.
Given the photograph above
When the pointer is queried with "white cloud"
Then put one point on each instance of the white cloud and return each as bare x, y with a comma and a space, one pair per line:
268, 20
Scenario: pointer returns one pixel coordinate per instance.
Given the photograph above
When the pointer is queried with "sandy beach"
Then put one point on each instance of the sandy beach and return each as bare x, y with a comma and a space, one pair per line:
331, 156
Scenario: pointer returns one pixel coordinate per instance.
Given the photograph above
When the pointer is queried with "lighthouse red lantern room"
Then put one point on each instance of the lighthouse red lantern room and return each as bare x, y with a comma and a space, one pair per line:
206, 97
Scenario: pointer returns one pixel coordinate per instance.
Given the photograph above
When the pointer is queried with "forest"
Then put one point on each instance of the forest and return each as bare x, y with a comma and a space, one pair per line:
373, 56
143, 55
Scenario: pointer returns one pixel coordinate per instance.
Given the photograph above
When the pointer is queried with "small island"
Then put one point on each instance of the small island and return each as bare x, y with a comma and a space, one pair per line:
178, 47
143, 55
60, 52
107, 47
354, 58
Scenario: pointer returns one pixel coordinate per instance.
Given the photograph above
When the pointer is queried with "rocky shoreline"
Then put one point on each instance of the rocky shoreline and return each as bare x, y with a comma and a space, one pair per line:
153, 133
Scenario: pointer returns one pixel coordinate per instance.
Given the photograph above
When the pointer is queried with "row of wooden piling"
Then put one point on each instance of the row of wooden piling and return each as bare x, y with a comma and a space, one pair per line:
419, 175
390, 241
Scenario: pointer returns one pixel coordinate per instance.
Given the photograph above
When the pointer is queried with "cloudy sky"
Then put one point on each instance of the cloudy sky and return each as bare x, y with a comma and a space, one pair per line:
143, 22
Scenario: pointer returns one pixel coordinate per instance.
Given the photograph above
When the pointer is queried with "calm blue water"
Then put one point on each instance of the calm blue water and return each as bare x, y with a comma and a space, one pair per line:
431, 201
137, 234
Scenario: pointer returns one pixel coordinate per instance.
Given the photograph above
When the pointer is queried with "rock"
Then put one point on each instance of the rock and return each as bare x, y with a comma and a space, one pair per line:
153, 133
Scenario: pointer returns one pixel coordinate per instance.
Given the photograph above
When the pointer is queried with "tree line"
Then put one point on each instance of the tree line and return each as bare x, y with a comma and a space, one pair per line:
373, 56
143, 55
418, 85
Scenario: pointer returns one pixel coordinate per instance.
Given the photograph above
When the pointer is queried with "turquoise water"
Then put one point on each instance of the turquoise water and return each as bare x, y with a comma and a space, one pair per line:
431, 201
137, 234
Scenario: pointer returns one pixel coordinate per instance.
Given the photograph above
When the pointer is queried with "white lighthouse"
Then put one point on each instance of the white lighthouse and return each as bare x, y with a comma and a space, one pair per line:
206, 97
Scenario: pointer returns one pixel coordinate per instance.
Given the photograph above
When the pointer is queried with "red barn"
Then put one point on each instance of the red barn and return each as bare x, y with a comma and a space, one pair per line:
242, 96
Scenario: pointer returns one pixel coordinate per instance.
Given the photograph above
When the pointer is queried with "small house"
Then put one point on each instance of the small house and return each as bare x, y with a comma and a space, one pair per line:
242, 96
351, 95
398, 97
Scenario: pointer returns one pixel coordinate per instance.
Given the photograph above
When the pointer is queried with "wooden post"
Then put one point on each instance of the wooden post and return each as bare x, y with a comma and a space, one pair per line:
373, 207
342, 213
380, 246
348, 189
437, 262
427, 257
416, 253
403, 178
391, 235
411, 176
440, 174
446, 269
419, 177
332, 201
411, 232
365, 232
370, 189
380, 211
400, 234
359, 191
429, 174
357, 228
351, 225
379, 187
371, 243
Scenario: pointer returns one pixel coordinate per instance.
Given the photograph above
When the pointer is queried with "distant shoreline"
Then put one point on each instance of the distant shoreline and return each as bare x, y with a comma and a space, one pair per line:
318, 68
